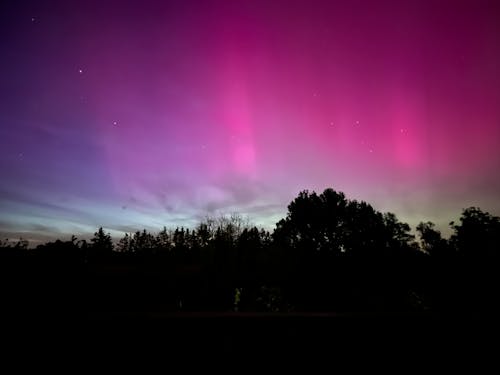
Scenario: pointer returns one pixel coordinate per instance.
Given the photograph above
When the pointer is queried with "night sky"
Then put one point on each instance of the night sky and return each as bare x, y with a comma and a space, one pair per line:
139, 114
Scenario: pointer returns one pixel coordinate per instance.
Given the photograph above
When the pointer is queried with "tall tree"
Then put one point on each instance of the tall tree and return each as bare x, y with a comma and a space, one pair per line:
478, 234
330, 223
431, 240
124, 245
102, 242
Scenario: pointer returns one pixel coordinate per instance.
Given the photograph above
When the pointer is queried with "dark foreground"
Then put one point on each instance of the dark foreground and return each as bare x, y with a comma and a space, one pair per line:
89, 311
375, 340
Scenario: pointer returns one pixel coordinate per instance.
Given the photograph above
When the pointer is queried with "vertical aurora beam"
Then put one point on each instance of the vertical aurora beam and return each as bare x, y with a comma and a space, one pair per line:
235, 51
236, 116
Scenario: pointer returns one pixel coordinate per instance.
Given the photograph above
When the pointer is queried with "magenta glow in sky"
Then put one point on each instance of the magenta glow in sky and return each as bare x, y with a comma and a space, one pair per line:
132, 114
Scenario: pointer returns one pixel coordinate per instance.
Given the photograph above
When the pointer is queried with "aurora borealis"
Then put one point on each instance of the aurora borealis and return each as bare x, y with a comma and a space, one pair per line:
139, 114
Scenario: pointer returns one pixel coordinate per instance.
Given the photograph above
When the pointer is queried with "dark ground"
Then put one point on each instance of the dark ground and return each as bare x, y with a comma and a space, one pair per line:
93, 313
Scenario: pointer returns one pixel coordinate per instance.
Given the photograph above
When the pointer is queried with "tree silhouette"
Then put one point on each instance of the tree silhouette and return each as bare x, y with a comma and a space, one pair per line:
124, 244
163, 241
313, 223
398, 237
329, 253
477, 235
431, 240
343, 254
20, 244
330, 223
143, 242
102, 244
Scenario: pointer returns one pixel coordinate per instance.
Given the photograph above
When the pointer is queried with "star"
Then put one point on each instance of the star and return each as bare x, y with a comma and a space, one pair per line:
115, 123
80, 71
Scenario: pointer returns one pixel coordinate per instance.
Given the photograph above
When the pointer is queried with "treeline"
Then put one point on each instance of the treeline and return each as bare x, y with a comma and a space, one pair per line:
329, 253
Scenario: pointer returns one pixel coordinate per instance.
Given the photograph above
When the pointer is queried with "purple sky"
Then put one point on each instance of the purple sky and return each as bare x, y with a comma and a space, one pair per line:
139, 114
